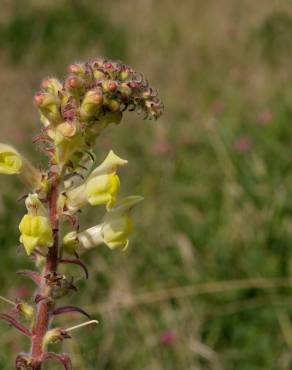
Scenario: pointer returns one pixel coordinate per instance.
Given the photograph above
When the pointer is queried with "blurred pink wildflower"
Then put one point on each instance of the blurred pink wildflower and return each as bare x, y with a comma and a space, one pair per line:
168, 337
265, 117
242, 144
162, 148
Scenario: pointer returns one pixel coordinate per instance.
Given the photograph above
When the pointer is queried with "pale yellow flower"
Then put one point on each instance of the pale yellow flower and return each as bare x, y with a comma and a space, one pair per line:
101, 187
114, 231
35, 226
13, 163
10, 160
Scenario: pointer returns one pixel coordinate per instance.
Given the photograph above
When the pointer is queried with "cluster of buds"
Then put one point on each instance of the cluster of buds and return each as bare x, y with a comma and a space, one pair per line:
73, 114
94, 95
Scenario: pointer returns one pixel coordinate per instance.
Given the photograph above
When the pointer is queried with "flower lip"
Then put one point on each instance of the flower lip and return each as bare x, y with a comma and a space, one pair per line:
117, 224
110, 164
115, 233
124, 205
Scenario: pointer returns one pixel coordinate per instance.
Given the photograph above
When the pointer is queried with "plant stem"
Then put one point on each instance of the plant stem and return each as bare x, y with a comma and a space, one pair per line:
44, 306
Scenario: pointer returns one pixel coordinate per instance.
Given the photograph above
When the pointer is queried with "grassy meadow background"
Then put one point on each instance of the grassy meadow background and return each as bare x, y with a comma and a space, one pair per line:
206, 283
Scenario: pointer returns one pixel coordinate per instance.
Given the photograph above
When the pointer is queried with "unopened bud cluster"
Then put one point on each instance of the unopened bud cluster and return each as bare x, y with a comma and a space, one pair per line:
94, 95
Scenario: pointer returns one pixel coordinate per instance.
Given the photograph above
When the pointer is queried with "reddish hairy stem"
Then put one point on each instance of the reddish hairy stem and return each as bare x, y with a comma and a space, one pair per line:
44, 306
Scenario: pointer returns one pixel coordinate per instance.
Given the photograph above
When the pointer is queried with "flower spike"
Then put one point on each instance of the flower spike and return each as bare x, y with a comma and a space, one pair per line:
73, 113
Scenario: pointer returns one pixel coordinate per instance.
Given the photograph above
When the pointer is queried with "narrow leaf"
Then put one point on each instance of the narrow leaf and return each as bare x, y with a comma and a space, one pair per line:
63, 358
69, 309
77, 262
33, 275
12, 321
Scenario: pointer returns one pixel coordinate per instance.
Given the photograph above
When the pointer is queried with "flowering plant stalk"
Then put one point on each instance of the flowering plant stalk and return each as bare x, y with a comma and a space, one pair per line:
73, 113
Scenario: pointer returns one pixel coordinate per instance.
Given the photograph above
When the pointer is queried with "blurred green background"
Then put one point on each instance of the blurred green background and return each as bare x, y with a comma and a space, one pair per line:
206, 282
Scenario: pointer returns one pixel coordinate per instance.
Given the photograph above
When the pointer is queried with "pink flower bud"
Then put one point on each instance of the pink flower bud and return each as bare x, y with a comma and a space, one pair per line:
243, 144
109, 86
82, 70
168, 338
49, 105
77, 68
51, 85
91, 103
74, 82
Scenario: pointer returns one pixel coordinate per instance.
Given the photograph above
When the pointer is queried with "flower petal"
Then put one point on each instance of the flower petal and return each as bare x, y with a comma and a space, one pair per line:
109, 165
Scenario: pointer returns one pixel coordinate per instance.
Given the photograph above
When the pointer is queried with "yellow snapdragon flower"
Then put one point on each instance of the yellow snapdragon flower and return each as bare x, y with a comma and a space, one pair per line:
114, 230
10, 160
101, 187
13, 163
35, 226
